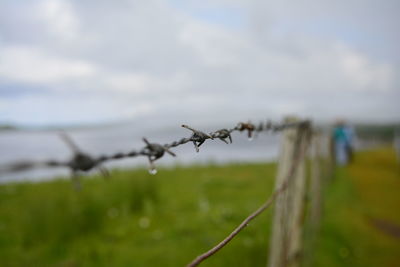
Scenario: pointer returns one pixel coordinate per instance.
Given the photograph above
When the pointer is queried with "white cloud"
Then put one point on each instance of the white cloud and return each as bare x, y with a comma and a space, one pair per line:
134, 83
214, 45
31, 65
59, 16
87, 108
130, 83
155, 58
366, 75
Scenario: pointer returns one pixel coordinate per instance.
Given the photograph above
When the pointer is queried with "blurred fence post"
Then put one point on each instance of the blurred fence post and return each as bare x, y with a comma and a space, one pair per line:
287, 225
327, 158
315, 182
315, 187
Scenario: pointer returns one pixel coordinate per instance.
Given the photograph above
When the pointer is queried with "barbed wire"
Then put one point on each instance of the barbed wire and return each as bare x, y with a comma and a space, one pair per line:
82, 162
298, 154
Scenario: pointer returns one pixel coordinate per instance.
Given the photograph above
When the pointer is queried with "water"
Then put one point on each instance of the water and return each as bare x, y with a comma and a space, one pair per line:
153, 171
45, 145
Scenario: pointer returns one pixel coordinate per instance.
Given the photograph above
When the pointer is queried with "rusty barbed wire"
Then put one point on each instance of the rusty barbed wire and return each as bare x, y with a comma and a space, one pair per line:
82, 162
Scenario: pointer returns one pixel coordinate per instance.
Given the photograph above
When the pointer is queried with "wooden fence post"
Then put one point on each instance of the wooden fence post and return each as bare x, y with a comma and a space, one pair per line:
287, 225
315, 182
315, 199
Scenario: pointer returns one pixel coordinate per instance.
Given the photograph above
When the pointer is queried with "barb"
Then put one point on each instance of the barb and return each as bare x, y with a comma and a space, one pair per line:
298, 154
83, 162
222, 135
154, 152
249, 127
198, 137
67, 139
80, 162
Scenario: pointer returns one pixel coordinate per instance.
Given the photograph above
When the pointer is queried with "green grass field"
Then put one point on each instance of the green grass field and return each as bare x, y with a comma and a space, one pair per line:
136, 219
361, 223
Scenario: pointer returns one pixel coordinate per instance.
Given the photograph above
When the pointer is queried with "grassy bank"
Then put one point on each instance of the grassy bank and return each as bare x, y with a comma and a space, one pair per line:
135, 219
361, 223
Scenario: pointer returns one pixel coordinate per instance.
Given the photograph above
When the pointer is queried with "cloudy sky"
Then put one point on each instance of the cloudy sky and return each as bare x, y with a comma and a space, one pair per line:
95, 61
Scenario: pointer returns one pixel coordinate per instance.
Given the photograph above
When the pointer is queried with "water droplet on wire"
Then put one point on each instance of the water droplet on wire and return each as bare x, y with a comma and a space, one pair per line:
153, 171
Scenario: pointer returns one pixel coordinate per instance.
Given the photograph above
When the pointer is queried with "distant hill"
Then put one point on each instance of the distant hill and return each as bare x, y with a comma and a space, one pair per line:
6, 127
385, 132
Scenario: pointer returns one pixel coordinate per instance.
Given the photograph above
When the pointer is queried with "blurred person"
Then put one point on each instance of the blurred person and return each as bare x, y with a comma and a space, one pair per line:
343, 139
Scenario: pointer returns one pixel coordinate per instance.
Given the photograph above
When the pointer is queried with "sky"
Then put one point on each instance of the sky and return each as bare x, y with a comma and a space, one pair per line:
66, 62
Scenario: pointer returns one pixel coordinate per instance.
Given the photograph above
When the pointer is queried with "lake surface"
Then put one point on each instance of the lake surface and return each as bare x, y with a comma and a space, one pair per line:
47, 145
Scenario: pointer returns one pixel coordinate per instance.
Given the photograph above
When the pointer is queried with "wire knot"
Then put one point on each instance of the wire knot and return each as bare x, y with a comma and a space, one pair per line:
155, 151
82, 162
198, 137
223, 134
246, 126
